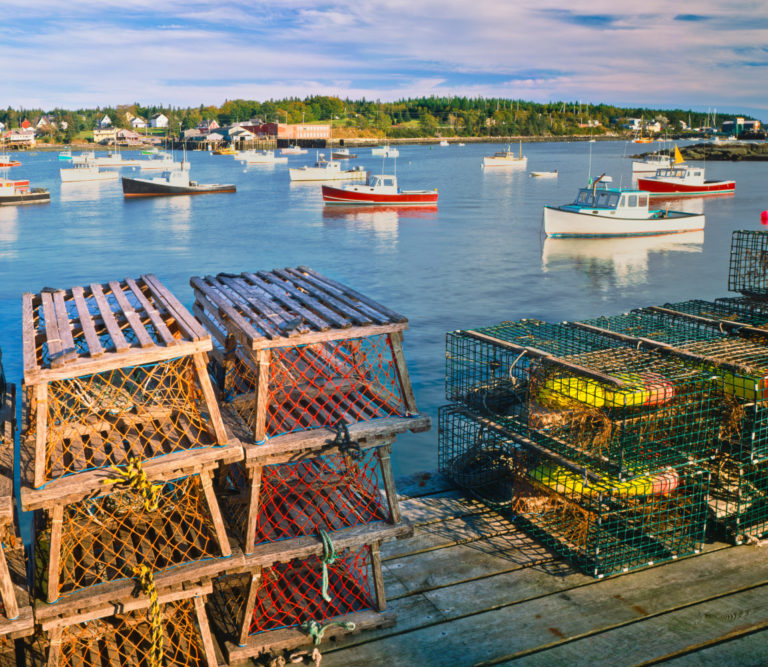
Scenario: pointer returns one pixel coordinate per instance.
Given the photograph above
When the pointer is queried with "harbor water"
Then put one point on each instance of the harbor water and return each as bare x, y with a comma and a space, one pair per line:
478, 259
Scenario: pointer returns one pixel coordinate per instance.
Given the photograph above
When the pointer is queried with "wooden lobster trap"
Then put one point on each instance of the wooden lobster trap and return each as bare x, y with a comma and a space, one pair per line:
313, 593
296, 350
168, 627
112, 372
88, 543
16, 619
307, 482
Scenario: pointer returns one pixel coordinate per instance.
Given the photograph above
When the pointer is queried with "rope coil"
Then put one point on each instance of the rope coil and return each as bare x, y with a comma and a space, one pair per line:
154, 614
134, 477
329, 558
343, 441
316, 630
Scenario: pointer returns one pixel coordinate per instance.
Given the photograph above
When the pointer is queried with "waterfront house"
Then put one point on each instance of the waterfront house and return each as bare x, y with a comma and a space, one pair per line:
104, 135
207, 126
158, 120
128, 137
106, 121
138, 123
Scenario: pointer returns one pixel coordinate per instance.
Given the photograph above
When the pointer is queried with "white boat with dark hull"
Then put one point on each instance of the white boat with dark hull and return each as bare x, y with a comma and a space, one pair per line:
604, 212
325, 170
18, 192
171, 183
81, 172
293, 150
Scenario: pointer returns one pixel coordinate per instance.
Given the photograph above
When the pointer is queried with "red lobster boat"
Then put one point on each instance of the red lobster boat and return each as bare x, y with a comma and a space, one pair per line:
378, 191
7, 161
683, 181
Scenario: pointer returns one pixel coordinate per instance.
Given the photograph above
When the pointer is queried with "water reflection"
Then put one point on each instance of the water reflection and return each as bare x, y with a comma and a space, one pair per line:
175, 215
614, 262
383, 221
9, 232
86, 191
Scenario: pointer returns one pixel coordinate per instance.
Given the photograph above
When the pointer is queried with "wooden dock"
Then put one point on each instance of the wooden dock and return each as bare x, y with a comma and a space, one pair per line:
470, 588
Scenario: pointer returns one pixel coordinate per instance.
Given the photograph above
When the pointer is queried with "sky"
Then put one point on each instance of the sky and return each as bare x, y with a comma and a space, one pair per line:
655, 53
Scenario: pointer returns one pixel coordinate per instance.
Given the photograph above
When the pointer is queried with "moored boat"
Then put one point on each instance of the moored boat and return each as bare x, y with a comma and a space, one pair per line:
651, 163
260, 157
342, 154
171, 183
81, 172
113, 160
378, 190
603, 212
162, 161
225, 151
385, 151
507, 158
543, 174
7, 161
293, 150
681, 180
325, 170
16, 193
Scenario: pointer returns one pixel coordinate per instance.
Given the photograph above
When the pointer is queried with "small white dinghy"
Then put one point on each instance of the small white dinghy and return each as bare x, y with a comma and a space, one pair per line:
543, 174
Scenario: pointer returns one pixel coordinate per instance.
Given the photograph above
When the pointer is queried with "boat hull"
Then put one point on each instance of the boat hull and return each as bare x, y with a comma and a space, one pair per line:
10, 163
138, 187
510, 163
36, 196
659, 188
333, 195
560, 223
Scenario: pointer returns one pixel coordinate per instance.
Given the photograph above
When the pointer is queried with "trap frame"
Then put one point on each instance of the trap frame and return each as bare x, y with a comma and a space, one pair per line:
88, 545
300, 600
319, 480
738, 499
487, 369
748, 264
728, 309
296, 350
113, 371
172, 629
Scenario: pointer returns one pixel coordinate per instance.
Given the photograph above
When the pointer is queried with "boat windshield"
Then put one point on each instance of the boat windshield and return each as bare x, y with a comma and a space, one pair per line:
585, 198
607, 200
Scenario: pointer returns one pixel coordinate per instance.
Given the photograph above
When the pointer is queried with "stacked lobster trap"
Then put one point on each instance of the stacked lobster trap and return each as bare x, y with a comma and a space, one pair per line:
121, 437
16, 616
313, 380
588, 442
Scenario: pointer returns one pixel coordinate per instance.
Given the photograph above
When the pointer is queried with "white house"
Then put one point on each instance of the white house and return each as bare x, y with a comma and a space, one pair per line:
240, 134
106, 121
158, 120
2, 126
138, 123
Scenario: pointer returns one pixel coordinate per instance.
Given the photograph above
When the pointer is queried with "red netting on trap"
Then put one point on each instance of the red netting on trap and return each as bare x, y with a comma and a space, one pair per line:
290, 594
127, 640
104, 419
318, 385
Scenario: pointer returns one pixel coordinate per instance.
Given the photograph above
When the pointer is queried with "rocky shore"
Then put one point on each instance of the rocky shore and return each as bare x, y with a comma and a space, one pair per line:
728, 152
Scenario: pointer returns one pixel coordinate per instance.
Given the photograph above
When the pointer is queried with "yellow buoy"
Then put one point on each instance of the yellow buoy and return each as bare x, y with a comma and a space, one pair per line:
641, 389
568, 482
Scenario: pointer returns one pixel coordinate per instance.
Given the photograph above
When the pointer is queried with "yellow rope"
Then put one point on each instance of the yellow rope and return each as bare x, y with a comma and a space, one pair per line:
133, 477
154, 614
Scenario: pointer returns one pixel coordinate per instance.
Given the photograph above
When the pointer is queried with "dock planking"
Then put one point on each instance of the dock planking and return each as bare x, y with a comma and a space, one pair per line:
471, 588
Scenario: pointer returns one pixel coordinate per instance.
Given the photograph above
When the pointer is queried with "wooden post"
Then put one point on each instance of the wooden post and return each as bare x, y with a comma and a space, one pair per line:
6, 588
249, 540
205, 632
54, 646
55, 552
41, 431
383, 453
210, 397
396, 342
378, 577
213, 505
263, 358
253, 589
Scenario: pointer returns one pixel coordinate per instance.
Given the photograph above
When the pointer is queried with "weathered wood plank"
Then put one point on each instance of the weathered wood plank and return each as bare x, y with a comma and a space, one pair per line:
183, 317
121, 345
134, 321
86, 323
29, 355
152, 313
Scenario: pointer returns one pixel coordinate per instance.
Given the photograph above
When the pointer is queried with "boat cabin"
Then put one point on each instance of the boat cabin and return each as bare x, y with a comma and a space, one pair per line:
611, 201
681, 173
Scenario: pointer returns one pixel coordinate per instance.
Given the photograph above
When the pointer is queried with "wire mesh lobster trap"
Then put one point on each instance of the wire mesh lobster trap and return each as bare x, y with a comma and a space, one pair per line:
738, 498
477, 458
748, 265
178, 635
487, 369
304, 496
606, 526
625, 411
297, 351
294, 602
99, 539
728, 309
111, 372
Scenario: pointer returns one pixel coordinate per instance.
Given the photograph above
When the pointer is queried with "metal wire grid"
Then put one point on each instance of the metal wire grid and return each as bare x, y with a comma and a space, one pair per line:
327, 492
738, 499
748, 265
607, 526
661, 327
738, 309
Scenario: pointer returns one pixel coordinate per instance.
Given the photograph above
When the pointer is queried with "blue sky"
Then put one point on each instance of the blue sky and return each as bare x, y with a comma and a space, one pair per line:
654, 53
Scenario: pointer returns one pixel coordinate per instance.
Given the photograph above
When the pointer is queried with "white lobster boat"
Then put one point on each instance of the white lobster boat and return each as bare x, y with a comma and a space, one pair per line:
260, 157
81, 172
507, 158
325, 170
604, 212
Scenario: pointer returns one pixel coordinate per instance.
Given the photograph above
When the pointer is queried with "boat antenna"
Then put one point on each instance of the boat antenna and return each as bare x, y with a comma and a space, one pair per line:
589, 167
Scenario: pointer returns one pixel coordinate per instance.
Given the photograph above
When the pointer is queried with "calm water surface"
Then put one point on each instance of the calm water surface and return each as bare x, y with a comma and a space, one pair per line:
481, 258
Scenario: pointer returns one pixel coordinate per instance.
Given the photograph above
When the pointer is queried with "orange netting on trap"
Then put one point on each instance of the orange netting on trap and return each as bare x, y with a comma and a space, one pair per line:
127, 639
143, 411
327, 492
317, 385
104, 538
291, 594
